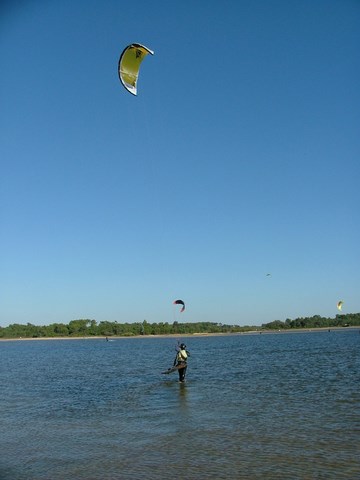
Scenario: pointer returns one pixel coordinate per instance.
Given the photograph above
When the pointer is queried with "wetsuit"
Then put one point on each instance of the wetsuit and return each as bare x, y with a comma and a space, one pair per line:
181, 358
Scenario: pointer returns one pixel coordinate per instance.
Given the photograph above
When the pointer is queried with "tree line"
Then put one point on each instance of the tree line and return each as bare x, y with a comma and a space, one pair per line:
316, 321
88, 328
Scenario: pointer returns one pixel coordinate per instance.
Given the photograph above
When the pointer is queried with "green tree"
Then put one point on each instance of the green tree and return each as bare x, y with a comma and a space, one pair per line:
79, 327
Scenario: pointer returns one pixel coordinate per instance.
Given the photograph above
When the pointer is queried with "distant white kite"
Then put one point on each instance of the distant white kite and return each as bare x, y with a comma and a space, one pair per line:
339, 305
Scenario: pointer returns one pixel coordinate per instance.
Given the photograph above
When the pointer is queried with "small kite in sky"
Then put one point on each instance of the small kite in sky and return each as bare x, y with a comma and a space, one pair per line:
129, 65
180, 302
339, 305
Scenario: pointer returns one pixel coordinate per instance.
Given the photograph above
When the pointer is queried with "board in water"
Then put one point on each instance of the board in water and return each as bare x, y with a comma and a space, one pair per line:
175, 368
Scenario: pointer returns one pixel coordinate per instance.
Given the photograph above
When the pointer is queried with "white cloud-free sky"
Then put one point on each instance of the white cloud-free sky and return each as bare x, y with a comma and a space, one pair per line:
239, 157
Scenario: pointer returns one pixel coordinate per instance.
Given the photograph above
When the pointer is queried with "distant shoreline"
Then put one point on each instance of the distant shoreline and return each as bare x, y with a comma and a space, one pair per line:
186, 335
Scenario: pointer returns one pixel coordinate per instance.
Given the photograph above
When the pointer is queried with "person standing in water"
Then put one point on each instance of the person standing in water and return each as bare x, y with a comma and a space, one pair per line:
181, 361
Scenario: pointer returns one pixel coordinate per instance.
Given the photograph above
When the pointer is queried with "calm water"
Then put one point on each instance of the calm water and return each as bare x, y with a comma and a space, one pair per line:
277, 406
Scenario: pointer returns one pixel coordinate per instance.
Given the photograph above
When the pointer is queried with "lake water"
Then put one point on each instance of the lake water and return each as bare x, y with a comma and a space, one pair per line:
270, 406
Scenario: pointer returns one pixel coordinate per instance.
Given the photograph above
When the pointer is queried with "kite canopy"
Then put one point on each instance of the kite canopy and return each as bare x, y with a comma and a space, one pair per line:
180, 302
129, 65
339, 305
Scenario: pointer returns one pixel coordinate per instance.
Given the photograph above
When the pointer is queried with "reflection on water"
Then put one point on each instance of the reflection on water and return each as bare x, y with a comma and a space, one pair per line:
268, 406
182, 396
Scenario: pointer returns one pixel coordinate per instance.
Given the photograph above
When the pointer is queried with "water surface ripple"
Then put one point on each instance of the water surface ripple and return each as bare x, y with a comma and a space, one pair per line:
279, 406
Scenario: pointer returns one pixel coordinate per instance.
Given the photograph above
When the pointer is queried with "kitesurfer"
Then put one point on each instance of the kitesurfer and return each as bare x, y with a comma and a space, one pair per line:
180, 360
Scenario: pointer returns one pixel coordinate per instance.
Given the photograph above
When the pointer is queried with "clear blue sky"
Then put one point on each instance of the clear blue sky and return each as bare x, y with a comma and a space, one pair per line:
239, 157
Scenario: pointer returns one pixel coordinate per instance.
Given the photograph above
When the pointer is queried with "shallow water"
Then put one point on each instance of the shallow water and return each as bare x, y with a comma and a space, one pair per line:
271, 406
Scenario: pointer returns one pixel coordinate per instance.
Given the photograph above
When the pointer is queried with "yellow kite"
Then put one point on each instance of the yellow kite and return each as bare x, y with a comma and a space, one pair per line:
339, 305
129, 65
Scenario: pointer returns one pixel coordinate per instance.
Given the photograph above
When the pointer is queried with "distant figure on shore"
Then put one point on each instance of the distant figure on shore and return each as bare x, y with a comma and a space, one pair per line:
181, 360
